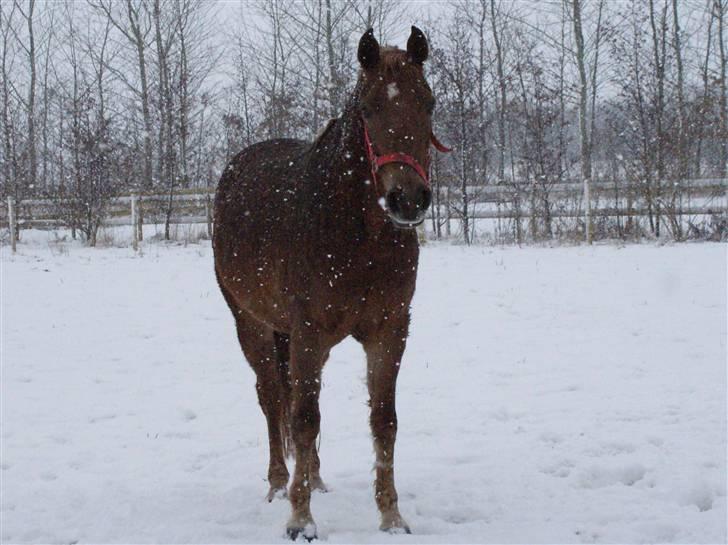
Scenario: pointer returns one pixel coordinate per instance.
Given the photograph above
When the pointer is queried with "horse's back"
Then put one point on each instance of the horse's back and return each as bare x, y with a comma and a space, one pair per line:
259, 170
256, 204
258, 187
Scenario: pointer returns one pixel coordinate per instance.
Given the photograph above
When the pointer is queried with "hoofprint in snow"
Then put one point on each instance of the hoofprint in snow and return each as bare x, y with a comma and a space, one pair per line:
547, 395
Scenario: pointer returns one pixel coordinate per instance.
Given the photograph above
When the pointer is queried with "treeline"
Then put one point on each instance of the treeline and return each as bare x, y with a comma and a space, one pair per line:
102, 97
586, 90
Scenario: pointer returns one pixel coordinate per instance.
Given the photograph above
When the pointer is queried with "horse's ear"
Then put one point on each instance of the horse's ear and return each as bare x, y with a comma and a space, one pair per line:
368, 50
417, 48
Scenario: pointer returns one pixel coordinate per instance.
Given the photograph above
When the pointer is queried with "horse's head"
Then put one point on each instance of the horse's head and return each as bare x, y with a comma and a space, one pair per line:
396, 107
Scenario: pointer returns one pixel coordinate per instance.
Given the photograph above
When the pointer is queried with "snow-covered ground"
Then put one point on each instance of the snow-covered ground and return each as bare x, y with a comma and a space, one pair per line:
547, 395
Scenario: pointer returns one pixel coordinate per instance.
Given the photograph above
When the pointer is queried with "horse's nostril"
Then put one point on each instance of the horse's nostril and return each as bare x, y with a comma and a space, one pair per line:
426, 198
393, 201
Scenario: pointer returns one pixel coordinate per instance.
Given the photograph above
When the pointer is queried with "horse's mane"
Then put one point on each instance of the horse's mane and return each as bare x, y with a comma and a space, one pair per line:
324, 131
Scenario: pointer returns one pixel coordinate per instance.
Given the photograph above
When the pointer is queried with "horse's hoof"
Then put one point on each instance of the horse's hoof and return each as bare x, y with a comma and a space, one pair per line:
397, 530
395, 525
276, 493
318, 485
307, 532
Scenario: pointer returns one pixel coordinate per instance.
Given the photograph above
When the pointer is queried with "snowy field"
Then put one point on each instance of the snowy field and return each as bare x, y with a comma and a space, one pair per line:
566, 395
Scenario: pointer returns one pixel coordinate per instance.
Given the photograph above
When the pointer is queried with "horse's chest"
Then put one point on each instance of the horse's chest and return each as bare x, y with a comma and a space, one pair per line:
355, 288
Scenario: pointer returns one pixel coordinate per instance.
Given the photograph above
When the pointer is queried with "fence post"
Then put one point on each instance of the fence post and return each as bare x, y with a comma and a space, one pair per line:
140, 218
134, 223
12, 223
208, 215
447, 210
421, 235
587, 211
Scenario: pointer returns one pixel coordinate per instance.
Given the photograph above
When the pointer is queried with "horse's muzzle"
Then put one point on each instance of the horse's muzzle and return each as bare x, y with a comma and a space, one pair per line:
407, 208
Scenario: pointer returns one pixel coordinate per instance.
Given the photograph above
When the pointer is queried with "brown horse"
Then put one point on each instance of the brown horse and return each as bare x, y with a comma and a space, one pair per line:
315, 242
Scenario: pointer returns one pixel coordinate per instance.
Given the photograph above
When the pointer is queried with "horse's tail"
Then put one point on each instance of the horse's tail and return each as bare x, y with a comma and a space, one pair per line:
282, 349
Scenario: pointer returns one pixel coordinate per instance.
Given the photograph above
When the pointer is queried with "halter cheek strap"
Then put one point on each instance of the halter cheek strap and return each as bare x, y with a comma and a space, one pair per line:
377, 161
439, 146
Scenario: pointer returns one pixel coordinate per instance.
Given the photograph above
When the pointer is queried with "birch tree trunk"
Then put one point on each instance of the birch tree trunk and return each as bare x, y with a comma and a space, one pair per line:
10, 159
46, 103
682, 172
594, 78
719, 8
137, 38
32, 157
704, 104
658, 50
166, 125
183, 15
502, 94
334, 79
584, 141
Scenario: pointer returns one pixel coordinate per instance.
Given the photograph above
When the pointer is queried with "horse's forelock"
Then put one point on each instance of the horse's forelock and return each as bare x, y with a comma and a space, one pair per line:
395, 62
393, 59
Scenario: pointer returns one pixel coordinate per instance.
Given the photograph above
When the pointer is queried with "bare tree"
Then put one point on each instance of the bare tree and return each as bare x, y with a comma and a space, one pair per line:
10, 160
659, 46
108, 96
28, 14
321, 29
584, 141
704, 103
502, 96
95, 154
719, 12
133, 21
455, 75
385, 16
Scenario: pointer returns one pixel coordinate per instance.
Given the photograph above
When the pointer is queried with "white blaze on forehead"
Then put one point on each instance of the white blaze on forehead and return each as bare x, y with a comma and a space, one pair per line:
392, 90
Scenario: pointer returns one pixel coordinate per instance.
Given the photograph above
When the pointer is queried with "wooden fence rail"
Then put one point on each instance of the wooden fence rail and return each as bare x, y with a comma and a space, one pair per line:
695, 197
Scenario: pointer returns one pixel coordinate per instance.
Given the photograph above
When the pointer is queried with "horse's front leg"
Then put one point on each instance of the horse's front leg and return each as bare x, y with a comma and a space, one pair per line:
384, 351
307, 358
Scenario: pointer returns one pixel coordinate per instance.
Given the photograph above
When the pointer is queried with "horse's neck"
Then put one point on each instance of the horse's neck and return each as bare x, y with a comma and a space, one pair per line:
346, 183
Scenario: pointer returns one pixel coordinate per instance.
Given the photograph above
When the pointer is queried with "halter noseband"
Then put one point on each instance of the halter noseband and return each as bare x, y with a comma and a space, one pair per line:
377, 161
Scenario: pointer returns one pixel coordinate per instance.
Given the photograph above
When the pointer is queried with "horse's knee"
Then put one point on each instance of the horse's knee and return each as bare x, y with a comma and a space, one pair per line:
382, 409
306, 419
383, 421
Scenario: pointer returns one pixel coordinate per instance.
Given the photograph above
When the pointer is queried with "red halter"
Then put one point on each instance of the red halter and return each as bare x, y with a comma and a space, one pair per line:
377, 161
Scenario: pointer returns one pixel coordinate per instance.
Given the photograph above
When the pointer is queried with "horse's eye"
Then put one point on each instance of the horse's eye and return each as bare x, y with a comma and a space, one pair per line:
366, 112
430, 106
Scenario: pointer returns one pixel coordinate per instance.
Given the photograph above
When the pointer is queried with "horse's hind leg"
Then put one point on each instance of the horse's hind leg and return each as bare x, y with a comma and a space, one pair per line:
317, 482
259, 346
